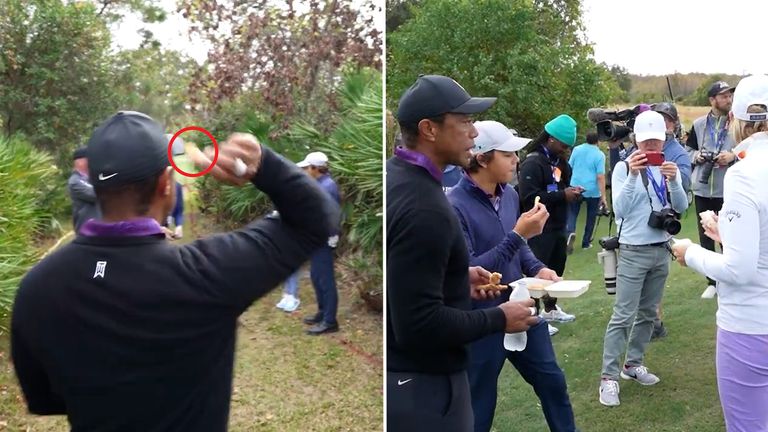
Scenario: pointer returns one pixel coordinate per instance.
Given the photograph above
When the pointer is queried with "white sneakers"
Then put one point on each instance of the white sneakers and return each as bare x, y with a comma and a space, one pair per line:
552, 329
609, 388
609, 392
557, 314
709, 293
288, 303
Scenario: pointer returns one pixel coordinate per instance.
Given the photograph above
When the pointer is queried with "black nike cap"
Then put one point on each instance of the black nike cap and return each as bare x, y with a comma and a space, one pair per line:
126, 148
433, 95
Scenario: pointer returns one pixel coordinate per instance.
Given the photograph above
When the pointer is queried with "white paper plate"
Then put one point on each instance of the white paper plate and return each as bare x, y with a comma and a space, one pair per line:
568, 289
562, 289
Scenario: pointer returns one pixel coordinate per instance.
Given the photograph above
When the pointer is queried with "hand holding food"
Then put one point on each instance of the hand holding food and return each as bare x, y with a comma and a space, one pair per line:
531, 223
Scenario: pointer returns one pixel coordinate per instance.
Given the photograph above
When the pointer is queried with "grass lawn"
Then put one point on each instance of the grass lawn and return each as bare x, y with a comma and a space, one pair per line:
686, 398
284, 379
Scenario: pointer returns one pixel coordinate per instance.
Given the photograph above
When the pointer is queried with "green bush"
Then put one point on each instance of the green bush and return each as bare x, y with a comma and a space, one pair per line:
26, 215
529, 54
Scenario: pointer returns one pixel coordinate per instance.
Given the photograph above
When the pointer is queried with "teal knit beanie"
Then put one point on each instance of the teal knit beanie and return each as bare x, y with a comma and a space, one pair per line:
562, 128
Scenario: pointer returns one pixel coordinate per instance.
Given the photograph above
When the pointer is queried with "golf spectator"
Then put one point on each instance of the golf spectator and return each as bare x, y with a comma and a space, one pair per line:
643, 258
710, 146
321, 269
429, 282
742, 269
588, 164
84, 204
139, 334
545, 173
487, 209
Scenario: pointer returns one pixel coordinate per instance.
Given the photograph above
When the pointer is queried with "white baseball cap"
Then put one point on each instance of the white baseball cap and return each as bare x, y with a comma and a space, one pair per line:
650, 125
318, 159
493, 135
752, 90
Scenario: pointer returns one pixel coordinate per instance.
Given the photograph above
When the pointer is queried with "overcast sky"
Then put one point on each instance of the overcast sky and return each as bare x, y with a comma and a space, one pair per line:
653, 37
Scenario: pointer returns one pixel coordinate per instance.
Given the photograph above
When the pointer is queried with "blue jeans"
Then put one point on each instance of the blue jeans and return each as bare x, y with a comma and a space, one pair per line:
291, 285
324, 282
537, 365
593, 204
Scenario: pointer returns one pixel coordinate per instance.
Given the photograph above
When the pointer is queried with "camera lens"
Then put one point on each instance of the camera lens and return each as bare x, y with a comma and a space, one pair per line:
672, 226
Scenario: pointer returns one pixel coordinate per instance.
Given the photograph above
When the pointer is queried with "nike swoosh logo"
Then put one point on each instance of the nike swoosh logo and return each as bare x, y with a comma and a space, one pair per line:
103, 177
404, 382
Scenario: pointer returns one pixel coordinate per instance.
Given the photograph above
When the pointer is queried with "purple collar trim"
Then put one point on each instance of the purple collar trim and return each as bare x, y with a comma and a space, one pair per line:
421, 160
499, 187
138, 227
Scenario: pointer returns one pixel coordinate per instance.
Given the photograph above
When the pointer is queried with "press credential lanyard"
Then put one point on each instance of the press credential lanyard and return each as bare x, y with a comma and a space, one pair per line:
661, 190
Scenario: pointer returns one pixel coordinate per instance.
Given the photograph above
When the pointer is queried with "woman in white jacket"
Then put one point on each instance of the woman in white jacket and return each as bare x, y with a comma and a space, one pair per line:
742, 269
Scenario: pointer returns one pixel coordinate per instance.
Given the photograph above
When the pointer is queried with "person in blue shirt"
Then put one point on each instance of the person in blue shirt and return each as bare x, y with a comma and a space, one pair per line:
496, 234
321, 269
643, 266
588, 164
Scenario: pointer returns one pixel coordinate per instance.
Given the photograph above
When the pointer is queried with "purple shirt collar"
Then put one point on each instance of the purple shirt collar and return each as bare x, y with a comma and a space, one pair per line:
419, 159
139, 227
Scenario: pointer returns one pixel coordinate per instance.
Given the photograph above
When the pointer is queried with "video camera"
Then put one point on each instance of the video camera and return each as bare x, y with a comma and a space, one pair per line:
613, 125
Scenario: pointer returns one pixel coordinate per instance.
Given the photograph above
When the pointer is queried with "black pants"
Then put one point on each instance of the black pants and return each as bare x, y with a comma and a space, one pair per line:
549, 248
704, 204
418, 402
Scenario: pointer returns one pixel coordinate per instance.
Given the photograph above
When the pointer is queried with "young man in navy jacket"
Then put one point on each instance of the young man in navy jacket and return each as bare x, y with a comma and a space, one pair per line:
488, 209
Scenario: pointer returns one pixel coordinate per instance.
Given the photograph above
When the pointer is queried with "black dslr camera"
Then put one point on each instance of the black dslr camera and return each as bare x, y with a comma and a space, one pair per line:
706, 167
609, 243
665, 219
603, 210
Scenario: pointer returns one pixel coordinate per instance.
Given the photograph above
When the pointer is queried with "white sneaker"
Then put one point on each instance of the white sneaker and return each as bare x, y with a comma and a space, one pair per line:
291, 304
709, 293
552, 329
609, 392
639, 374
283, 302
557, 314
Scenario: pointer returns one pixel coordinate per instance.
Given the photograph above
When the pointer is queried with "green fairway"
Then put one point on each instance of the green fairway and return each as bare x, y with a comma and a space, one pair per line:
686, 398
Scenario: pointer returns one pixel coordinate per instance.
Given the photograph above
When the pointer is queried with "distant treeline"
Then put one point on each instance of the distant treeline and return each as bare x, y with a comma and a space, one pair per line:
688, 89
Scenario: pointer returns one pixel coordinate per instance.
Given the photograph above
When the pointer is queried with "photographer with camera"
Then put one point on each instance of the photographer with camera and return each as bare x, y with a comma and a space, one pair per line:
647, 196
545, 173
710, 146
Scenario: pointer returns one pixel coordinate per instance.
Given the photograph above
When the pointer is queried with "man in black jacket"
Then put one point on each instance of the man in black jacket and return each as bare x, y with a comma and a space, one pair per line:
429, 316
123, 331
545, 173
84, 205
